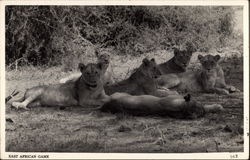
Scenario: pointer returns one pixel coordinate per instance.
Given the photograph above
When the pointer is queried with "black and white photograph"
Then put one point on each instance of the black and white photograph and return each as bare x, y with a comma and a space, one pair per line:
145, 79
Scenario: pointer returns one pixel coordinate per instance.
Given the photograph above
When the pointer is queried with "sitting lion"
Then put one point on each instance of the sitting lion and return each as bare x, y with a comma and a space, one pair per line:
141, 81
86, 90
179, 62
210, 79
173, 105
104, 59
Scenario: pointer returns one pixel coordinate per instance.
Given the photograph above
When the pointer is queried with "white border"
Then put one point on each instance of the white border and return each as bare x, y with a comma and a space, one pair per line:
240, 155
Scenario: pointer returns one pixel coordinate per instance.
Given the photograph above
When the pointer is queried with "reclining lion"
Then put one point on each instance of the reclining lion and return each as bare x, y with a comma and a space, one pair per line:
210, 79
142, 81
85, 91
175, 106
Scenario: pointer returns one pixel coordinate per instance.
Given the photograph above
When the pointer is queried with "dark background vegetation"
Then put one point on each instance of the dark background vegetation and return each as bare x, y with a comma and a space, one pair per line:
51, 35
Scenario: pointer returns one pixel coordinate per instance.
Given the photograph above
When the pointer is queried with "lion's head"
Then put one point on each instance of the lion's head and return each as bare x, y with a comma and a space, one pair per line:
103, 58
182, 56
91, 74
209, 62
149, 68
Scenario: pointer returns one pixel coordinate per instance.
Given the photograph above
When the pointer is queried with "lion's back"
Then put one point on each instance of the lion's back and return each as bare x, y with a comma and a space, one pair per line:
56, 94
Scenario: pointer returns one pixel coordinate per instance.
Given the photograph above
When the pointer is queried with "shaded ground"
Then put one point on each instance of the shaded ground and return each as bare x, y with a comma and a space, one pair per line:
76, 130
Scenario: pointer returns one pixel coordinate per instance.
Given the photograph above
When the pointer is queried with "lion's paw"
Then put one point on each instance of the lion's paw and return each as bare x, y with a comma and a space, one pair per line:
213, 108
63, 80
18, 105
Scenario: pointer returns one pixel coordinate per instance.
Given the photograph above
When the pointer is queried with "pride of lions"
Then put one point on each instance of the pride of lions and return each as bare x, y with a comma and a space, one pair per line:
151, 89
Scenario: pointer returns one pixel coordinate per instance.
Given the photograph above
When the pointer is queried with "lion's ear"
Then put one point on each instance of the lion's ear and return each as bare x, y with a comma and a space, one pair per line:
217, 58
152, 60
97, 53
81, 66
200, 57
145, 61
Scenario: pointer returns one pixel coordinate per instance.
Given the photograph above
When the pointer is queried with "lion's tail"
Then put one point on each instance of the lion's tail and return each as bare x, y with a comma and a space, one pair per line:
13, 94
21, 99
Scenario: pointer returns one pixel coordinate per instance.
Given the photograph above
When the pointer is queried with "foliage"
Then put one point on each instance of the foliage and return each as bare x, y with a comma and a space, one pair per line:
50, 35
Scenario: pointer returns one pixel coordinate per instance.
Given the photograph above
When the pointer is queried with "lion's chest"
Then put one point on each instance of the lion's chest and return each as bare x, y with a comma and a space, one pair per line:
90, 97
86, 93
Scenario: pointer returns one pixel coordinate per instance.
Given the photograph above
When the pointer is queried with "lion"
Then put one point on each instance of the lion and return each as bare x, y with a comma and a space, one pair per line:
141, 81
209, 79
87, 90
104, 59
177, 106
179, 62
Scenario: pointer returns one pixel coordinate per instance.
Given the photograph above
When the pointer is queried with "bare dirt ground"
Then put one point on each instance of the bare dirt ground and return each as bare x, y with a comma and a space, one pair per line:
46, 129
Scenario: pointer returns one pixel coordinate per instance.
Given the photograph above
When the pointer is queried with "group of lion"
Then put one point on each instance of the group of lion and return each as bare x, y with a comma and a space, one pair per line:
151, 89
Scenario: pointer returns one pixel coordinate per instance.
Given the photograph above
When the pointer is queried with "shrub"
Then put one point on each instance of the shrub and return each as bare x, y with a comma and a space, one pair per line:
49, 35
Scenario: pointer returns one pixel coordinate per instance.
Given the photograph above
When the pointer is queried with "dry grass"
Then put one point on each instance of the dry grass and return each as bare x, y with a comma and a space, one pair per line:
76, 130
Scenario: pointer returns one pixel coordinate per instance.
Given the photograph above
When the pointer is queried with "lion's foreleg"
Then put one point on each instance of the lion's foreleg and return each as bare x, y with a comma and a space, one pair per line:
168, 81
222, 84
34, 104
99, 100
229, 88
210, 87
105, 98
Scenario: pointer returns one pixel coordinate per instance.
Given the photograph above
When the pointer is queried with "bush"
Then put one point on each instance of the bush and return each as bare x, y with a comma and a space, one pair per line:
49, 35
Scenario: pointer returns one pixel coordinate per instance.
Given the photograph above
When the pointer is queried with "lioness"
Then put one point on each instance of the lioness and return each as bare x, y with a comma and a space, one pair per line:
141, 81
173, 105
179, 62
104, 59
210, 79
86, 90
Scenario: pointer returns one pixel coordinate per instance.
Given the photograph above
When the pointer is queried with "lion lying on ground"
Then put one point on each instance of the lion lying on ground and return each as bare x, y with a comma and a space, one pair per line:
142, 81
173, 105
179, 62
104, 59
85, 91
210, 79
